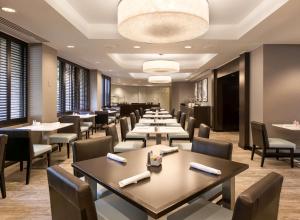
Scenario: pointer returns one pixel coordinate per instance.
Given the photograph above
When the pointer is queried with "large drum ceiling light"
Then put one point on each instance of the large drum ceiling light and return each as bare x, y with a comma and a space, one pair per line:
162, 21
159, 79
161, 67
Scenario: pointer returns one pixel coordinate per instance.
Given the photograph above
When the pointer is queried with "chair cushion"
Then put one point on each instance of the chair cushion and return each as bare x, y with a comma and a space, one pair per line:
179, 135
183, 146
84, 129
62, 138
281, 143
101, 190
202, 209
39, 149
128, 146
87, 124
134, 135
113, 207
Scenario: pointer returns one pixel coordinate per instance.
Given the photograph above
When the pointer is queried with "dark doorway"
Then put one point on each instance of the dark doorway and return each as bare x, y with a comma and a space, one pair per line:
228, 102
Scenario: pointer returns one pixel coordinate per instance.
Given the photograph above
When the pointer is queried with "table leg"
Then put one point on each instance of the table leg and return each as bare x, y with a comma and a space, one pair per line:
228, 193
158, 138
93, 186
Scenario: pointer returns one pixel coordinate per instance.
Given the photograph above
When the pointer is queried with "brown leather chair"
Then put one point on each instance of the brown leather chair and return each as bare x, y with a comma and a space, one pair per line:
127, 135
132, 120
204, 131
3, 142
137, 115
141, 111
71, 198
189, 135
68, 134
20, 148
178, 116
271, 147
182, 120
258, 202
111, 130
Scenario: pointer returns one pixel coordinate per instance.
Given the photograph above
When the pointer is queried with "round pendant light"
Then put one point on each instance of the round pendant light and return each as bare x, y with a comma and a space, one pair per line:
162, 21
161, 67
159, 79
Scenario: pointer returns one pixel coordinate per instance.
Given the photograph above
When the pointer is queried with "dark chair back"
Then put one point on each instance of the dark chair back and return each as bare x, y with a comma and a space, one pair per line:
19, 144
75, 128
137, 115
70, 198
101, 117
141, 111
3, 142
191, 128
178, 116
259, 134
212, 148
91, 148
261, 200
204, 131
182, 120
132, 120
124, 128
111, 130
173, 112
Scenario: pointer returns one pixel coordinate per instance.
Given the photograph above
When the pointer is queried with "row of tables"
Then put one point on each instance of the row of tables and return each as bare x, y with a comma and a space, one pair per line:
171, 185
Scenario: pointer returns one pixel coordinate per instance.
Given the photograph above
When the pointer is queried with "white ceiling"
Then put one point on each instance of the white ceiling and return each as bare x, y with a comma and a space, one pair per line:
90, 25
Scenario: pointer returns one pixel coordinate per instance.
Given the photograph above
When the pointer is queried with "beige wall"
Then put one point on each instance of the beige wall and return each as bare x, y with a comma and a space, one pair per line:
142, 94
278, 89
181, 92
42, 83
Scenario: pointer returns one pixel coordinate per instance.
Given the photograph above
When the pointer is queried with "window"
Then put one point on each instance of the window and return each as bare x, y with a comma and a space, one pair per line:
106, 90
72, 87
13, 80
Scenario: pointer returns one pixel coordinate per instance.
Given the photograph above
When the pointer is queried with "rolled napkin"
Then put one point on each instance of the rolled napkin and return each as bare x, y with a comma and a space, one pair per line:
116, 158
134, 179
168, 150
205, 168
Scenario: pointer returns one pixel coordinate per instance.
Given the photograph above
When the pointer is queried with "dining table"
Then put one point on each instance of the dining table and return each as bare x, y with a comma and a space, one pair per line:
157, 112
157, 131
147, 121
171, 185
291, 127
163, 116
84, 116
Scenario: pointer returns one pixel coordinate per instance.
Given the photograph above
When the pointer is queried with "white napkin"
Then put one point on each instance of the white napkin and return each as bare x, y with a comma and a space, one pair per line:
116, 158
134, 179
168, 150
205, 168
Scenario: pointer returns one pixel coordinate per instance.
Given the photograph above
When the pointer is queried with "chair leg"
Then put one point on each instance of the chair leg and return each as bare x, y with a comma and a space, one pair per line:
2, 184
253, 151
49, 159
68, 150
292, 157
262, 159
277, 152
21, 165
170, 142
28, 171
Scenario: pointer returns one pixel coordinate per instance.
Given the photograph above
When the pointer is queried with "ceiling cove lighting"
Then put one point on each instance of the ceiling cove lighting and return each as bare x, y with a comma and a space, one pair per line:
9, 10
159, 79
161, 67
163, 21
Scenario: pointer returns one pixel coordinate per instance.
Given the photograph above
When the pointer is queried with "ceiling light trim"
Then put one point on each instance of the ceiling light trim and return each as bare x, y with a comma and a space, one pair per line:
159, 79
161, 67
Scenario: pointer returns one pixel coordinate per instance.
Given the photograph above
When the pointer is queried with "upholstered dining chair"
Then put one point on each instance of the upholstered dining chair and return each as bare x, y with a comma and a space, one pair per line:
137, 115
3, 142
182, 120
20, 148
132, 120
270, 147
68, 134
203, 132
178, 116
187, 135
172, 113
259, 202
89, 149
111, 130
141, 111
71, 198
213, 148
128, 135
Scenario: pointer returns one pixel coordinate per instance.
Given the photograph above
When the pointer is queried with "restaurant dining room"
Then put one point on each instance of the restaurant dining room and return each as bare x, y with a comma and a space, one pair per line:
149, 109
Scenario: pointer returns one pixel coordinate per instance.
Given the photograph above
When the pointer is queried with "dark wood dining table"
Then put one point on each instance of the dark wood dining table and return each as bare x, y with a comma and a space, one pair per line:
170, 186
